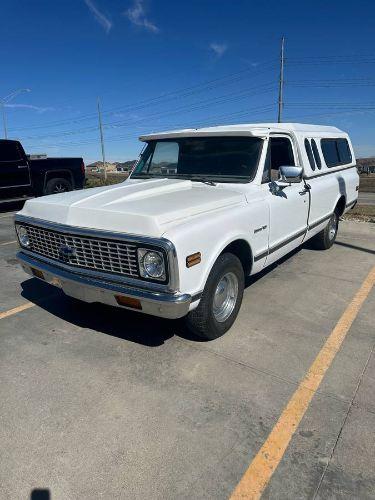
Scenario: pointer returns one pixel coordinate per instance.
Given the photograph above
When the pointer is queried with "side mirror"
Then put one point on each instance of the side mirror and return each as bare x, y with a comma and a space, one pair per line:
289, 174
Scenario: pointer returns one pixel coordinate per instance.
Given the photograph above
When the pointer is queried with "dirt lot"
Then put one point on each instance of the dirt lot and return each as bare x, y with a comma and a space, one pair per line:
102, 403
96, 179
367, 183
362, 213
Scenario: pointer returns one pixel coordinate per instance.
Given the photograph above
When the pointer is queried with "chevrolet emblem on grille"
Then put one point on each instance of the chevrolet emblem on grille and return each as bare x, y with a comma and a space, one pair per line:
65, 252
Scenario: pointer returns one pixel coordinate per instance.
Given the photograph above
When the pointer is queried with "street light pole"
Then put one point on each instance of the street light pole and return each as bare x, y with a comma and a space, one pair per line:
4, 101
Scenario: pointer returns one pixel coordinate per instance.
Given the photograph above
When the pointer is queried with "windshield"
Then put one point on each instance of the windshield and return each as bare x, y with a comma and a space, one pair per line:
221, 159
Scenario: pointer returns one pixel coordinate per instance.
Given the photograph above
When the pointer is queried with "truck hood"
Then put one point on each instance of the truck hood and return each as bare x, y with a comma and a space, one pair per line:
144, 207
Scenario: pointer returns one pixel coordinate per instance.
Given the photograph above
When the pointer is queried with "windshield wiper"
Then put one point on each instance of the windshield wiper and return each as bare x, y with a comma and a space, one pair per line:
199, 178
175, 176
205, 181
143, 176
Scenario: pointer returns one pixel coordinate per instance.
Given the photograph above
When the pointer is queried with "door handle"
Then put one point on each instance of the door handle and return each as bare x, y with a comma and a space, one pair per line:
306, 190
22, 166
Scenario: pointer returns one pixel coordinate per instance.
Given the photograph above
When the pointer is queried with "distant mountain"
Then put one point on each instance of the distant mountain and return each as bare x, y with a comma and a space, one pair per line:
366, 161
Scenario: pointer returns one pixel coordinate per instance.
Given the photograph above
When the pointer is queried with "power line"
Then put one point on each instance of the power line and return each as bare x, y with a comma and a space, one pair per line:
180, 125
294, 62
187, 91
231, 97
332, 113
194, 124
330, 83
369, 105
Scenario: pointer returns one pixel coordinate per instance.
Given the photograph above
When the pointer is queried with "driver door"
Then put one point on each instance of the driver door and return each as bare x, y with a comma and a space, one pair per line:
288, 205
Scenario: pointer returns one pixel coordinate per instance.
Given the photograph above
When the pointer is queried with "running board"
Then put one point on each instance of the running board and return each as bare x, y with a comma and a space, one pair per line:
15, 200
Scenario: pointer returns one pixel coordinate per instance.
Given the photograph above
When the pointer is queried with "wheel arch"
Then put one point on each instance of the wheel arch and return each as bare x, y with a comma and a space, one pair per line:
57, 174
241, 249
340, 206
238, 246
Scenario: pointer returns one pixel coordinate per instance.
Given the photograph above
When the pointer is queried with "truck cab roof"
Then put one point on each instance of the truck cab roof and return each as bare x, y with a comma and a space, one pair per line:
253, 129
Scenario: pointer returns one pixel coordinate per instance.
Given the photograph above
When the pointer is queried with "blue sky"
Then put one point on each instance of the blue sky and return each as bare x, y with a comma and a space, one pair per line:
165, 64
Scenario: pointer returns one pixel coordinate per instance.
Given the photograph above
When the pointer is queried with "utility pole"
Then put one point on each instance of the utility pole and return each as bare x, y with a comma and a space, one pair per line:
102, 140
281, 82
4, 119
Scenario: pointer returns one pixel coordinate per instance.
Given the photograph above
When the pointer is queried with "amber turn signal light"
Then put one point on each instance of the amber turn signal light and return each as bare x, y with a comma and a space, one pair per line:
122, 300
193, 259
37, 273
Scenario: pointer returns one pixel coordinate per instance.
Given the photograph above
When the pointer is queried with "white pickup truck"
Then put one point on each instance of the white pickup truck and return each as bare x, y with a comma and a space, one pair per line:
203, 209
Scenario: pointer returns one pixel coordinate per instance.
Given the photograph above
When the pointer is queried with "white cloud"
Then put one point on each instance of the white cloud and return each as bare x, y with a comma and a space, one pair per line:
136, 15
99, 16
218, 48
38, 109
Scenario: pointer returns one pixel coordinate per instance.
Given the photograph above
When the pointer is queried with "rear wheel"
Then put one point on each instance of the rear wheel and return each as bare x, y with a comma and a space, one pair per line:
55, 186
327, 236
221, 299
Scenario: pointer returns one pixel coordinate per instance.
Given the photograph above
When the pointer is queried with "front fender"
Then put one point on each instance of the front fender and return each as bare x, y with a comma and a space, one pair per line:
210, 234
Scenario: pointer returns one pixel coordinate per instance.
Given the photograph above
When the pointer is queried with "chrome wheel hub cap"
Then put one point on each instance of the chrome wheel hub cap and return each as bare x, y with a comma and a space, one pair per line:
332, 227
59, 188
225, 297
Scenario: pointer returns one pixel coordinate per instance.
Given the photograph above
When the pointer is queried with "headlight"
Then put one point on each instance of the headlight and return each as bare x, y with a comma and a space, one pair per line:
151, 264
23, 237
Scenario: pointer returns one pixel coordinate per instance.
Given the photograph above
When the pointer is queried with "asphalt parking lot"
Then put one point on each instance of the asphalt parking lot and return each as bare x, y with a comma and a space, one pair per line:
101, 403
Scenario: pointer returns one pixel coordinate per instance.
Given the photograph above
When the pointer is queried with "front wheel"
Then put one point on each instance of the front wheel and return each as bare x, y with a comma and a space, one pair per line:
221, 299
327, 236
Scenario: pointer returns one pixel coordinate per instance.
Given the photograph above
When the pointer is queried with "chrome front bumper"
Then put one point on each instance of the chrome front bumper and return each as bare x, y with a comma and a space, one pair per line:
83, 287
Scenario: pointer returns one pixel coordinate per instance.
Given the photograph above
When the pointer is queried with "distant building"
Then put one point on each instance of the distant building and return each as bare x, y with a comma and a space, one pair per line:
366, 169
38, 156
98, 167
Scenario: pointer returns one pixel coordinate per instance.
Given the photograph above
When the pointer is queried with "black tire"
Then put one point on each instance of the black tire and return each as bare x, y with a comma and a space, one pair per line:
58, 185
202, 321
327, 236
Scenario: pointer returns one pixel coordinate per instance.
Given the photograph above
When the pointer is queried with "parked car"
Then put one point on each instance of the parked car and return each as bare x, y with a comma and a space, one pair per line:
203, 209
22, 175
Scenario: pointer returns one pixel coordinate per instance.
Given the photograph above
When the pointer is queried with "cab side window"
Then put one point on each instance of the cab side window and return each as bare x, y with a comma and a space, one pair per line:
309, 153
279, 153
9, 151
336, 152
316, 154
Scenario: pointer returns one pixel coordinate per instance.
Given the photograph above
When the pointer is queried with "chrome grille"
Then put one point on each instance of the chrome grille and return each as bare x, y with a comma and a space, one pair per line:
91, 253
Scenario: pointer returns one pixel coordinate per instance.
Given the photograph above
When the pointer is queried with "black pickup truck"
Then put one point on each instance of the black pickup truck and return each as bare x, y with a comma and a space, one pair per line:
21, 176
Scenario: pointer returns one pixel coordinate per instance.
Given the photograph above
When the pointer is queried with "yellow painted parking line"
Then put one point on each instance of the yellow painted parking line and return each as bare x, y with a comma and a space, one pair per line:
16, 310
8, 243
257, 476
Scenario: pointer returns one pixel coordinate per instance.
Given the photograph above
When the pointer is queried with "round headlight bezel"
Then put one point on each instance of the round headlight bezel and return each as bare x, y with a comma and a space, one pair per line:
152, 264
23, 236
